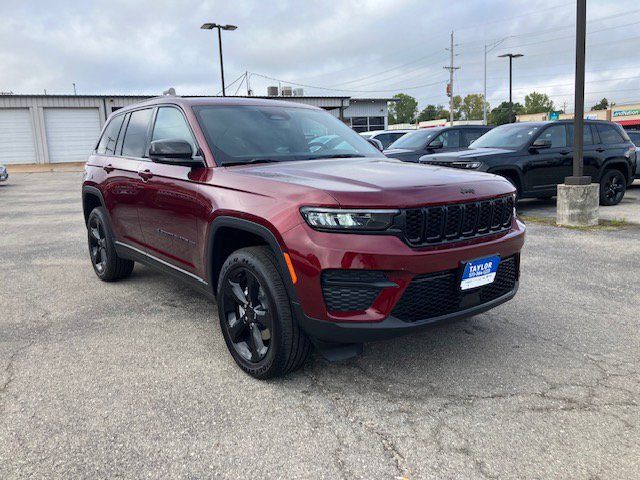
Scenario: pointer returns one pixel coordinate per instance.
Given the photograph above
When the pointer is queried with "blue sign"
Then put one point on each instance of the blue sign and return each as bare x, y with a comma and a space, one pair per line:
554, 115
480, 272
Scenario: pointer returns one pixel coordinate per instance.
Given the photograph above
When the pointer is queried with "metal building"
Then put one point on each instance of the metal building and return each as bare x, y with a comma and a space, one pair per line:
65, 128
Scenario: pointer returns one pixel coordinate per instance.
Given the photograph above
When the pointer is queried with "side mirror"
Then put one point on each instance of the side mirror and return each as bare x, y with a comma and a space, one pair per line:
540, 144
174, 152
376, 143
436, 144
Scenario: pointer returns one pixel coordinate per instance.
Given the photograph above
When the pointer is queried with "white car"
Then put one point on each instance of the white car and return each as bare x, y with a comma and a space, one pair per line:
3, 173
386, 137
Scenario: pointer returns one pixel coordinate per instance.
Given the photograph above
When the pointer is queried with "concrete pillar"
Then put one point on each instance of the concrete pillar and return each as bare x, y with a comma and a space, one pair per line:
578, 205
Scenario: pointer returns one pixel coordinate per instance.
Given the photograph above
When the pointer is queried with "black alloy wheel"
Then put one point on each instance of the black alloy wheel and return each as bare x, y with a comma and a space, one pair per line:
256, 316
247, 316
612, 188
98, 245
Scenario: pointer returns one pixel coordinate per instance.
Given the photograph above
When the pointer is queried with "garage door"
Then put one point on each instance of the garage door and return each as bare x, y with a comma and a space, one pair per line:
72, 133
16, 136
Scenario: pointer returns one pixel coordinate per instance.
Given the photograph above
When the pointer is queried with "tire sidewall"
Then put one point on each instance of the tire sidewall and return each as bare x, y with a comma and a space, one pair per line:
268, 366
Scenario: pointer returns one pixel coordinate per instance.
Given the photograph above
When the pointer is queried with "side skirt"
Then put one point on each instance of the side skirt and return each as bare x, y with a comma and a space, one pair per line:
137, 255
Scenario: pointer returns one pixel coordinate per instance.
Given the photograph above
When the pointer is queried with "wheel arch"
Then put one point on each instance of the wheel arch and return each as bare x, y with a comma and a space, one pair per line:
616, 164
510, 172
91, 198
245, 233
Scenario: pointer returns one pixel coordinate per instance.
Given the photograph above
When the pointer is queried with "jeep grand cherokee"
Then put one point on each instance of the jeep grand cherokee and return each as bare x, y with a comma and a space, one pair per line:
301, 243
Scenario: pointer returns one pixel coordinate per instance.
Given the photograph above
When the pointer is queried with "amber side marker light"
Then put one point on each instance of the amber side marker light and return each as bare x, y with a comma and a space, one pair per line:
292, 272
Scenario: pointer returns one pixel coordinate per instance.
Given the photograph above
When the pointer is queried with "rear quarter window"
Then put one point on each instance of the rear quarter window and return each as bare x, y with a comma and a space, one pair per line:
609, 135
109, 139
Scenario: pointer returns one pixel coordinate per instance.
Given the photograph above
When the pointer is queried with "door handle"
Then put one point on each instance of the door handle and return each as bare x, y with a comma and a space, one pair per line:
108, 168
565, 152
145, 174
600, 149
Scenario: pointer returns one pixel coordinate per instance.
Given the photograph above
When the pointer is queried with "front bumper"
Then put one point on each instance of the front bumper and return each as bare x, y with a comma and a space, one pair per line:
359, 332
4, 176
313, 253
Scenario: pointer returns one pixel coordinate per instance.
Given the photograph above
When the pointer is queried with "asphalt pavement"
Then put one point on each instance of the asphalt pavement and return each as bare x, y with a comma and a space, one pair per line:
132, 379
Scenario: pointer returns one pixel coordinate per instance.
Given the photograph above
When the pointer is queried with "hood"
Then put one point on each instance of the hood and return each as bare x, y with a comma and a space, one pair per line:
398, 152
468, 154
379, 182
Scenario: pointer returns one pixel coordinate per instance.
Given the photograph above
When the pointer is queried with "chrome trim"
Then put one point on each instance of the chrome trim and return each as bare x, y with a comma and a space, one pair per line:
162, 262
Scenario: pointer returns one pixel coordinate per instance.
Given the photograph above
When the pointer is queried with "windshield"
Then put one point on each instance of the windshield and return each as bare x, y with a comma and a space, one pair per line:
512, 136
246, 133
414, 140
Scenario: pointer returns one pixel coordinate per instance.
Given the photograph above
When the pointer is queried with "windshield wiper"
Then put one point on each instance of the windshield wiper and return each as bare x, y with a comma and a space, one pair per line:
250, 161
337, 155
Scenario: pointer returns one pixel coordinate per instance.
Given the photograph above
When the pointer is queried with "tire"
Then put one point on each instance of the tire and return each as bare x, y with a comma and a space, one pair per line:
255, 314
102, 251
613, 186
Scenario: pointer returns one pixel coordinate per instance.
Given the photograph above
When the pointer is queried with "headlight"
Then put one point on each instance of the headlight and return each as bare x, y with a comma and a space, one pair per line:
469, 165
339, 219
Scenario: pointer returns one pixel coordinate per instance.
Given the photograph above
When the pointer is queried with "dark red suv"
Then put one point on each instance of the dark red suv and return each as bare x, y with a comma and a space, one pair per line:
302, 231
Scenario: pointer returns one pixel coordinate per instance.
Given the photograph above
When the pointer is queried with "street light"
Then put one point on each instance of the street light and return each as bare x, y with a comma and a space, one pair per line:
488, 48
511, 56
211, 26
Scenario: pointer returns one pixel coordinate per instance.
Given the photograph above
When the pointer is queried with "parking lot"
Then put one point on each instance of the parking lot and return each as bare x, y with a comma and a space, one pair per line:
133, 379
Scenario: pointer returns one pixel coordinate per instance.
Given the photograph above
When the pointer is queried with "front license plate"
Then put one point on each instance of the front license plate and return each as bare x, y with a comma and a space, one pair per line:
479, 272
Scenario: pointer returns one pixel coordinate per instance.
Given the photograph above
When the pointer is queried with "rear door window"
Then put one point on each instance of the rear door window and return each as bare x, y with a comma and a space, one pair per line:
609, 135
107, 145
135, 139
587, 135
470, 135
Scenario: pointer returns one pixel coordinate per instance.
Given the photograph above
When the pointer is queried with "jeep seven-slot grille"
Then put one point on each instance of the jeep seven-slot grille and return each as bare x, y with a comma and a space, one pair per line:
449, 223
435, 294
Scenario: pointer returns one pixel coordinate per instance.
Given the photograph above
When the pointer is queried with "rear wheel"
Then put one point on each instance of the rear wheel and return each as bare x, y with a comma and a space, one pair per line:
255, 315
106, 262
613, 185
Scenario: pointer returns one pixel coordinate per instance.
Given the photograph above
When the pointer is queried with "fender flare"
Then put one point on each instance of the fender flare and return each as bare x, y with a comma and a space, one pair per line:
90, 190
251, 227
615, 162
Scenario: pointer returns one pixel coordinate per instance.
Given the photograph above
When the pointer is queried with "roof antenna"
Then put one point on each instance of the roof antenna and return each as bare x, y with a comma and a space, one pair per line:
170, 91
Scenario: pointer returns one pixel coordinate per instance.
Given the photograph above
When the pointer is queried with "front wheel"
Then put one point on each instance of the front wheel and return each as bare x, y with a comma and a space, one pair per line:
255, 315
613, 185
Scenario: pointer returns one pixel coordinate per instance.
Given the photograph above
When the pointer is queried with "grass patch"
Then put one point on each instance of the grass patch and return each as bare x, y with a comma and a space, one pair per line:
606, 225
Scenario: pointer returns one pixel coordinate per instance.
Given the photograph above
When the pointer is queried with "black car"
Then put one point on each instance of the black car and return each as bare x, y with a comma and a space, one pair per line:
412, 146
537, 156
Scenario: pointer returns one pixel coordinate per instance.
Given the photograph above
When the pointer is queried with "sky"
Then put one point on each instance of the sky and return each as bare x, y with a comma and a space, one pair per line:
357, 48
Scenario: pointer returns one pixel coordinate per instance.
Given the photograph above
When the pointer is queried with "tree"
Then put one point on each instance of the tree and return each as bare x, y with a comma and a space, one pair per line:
457, 107
538, 103
601, 105
404, 110
433, 112
500, 114
471, 107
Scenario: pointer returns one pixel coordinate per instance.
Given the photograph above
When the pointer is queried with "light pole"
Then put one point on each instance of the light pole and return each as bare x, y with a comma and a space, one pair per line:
211, 26
487, 49
511, 56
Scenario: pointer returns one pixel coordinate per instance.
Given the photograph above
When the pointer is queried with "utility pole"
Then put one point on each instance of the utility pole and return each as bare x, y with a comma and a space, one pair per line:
451, 69
74, 89
246, 76
578, 177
